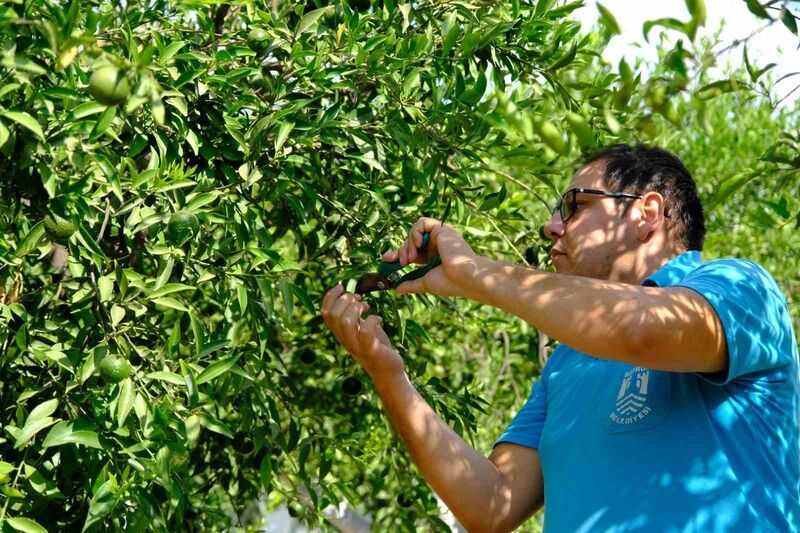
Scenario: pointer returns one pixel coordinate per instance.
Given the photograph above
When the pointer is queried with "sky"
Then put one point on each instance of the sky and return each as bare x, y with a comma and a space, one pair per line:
775, 44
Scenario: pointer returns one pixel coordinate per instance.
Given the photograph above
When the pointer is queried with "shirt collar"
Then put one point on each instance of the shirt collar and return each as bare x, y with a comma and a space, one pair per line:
674, 270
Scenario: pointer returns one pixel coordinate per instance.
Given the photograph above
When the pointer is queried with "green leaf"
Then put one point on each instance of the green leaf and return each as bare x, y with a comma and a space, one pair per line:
172, 303
283, 134
697, 8
608, 20
4, 134
669, 23
72, 432
117, 314
212, 346
201, 200
302, 295
165, 273
727, 188
9, 87
44, 409
103, 123
450, 31
30, 241
157, 109
189, 381
23, 63
24, 119
310, 19
611, 121
102, 504
31, 428
170, 288
286, 292
27, 525
216, 369
241, 296
405, 10
265, 472
567, 58
789, 20
210, 422
757, 9
170, 50
125, 401
86, 109
169, 377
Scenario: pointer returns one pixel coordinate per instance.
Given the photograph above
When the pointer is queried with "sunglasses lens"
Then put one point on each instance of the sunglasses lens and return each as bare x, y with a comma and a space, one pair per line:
567, 206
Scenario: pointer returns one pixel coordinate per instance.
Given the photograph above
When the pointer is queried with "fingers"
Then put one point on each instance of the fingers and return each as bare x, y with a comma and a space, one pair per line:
342, 313
350, 322
408, 251
370, 333
413, 286
330, 297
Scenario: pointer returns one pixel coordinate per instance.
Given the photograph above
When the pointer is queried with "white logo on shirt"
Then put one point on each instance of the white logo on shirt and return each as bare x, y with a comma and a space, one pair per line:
632, 398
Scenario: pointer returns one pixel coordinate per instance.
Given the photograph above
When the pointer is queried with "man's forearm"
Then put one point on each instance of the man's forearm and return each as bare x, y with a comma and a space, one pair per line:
465, 480
590, 315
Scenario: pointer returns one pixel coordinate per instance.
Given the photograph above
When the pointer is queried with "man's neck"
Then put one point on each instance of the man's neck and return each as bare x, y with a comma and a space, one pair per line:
650, 264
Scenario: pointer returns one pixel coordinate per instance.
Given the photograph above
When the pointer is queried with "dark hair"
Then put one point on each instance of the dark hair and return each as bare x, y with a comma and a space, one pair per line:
639, 169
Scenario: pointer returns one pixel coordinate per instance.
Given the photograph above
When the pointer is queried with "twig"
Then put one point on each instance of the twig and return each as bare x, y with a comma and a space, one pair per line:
518, 182
787, 95
105, 221
13, 485
508, 241
737, 42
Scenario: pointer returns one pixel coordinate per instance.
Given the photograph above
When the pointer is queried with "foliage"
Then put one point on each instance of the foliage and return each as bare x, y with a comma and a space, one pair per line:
304, 138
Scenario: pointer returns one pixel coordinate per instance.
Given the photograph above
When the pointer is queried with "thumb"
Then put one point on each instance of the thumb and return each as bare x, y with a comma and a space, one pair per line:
414, 286
370, 331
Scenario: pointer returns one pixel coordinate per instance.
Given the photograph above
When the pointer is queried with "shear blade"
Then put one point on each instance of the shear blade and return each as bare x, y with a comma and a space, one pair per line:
373, 282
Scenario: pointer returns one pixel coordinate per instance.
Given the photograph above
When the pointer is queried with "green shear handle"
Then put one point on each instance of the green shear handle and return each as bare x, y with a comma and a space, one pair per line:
388, 269
387, 277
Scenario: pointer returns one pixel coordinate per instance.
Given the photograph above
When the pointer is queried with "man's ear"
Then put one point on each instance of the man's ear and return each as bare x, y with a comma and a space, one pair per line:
651, 209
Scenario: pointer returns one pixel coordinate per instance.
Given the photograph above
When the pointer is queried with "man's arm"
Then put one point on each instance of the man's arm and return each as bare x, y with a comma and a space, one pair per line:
485, 495
673, 329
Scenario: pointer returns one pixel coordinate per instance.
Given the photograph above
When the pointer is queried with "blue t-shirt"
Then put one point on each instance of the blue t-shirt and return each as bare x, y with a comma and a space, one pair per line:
625, 448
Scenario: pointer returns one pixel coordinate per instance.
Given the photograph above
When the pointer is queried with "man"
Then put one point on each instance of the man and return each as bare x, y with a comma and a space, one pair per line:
672, 401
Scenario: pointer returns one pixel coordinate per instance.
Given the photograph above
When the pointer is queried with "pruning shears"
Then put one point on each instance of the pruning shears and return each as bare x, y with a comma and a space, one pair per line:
387, 277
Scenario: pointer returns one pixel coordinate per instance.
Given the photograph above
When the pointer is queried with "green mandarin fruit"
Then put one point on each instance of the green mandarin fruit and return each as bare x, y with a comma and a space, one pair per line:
114, 368
109, 86
181, 227
58, 229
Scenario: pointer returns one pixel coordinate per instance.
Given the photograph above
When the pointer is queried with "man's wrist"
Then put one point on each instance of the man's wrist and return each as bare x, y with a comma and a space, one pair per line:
385, 382
475, 276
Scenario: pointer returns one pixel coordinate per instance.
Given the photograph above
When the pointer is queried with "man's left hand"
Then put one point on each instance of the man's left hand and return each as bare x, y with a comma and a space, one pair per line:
458, 259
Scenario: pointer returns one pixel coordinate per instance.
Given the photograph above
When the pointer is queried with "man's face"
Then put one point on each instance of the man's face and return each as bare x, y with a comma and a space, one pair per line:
595, 242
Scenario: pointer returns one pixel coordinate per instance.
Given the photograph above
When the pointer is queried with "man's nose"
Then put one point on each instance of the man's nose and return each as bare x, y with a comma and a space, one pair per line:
554, 229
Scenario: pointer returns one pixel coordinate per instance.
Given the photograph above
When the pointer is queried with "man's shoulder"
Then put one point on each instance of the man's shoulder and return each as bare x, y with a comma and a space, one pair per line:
734, 269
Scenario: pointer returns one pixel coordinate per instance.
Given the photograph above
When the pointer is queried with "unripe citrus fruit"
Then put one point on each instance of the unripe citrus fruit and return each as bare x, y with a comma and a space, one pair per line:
257, 35
583, 132
352, 386
181, 227
58, 229
114, 368
551, 136
307, 356
109, 86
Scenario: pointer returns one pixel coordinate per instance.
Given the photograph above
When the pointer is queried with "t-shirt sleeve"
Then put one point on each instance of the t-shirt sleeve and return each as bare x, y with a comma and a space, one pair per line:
752, 311
526, 427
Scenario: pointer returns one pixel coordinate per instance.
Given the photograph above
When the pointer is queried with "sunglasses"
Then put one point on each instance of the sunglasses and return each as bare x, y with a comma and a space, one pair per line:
568, 203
